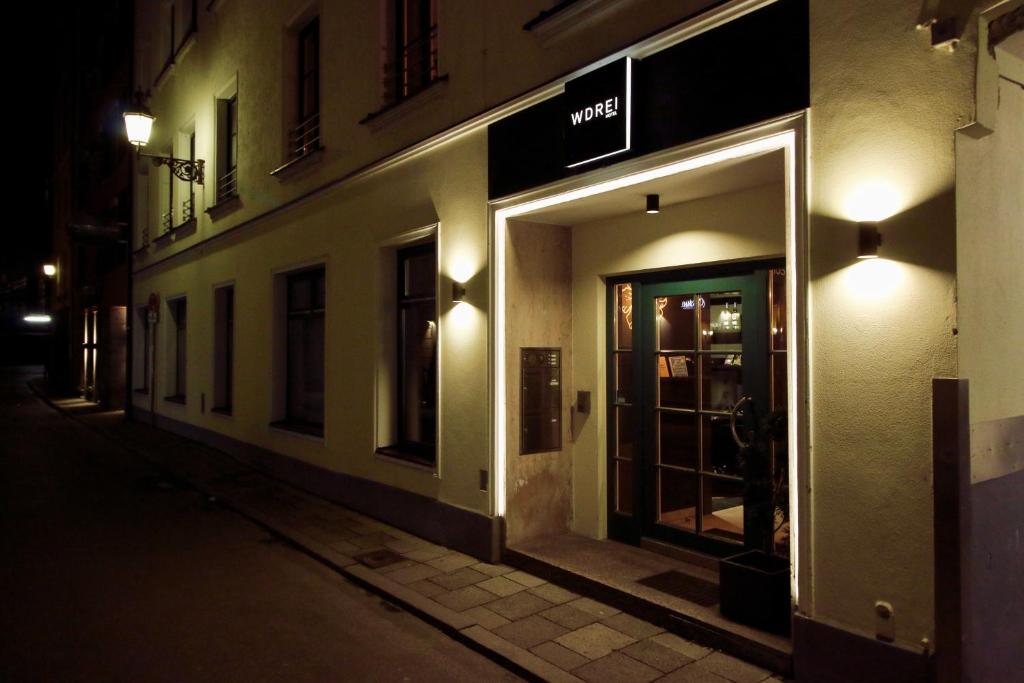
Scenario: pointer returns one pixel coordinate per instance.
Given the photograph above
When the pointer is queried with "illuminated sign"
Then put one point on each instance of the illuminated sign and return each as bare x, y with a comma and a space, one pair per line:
598, 113
689, 304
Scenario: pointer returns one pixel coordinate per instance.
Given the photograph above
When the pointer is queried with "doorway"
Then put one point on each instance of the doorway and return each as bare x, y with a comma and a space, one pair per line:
685, 348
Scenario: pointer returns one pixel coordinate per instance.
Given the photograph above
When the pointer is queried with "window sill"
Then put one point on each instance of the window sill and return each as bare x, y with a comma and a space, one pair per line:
221, 410
176, 398
385, 116
406, 457
176, 233
296, 166
303, 429
225, 206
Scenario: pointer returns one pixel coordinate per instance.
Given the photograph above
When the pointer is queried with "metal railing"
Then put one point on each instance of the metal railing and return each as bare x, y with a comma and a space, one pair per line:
166, 222
227, 185
188, 209
411, 68
305, 137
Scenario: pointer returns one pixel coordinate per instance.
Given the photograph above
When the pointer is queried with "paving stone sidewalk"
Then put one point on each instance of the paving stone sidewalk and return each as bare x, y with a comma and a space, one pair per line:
539, 628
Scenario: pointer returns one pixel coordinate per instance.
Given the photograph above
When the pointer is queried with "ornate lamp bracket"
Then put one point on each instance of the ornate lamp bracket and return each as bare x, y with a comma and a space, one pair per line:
189, 170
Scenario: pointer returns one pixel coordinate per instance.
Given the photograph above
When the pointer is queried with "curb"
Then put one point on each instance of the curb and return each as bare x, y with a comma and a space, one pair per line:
454, 624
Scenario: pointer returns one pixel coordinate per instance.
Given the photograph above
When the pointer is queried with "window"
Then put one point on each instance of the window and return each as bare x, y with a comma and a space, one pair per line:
223, 349
417, 352
167, 189
142, 346
177, 348
188, 206
304, 357
305, 136
227, 148
412, 55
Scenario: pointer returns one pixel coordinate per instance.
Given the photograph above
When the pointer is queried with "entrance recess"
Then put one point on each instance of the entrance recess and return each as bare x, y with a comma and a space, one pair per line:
683, 352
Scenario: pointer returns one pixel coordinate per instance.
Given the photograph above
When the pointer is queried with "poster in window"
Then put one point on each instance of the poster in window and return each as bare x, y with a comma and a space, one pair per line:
677, 364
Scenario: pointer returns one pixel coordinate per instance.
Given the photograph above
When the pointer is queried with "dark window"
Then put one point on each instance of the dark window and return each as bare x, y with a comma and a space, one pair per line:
305, 136
167, 219
188, 207
227, 176
413, 56
224, 349
417, 352
179, 320
305, 352
142, 363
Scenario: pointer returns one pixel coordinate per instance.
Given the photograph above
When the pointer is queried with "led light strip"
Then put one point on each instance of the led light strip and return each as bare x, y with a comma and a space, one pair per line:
786, 141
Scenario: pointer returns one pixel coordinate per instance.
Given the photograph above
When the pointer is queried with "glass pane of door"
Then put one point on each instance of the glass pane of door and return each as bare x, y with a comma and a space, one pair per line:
698, 377
624, 411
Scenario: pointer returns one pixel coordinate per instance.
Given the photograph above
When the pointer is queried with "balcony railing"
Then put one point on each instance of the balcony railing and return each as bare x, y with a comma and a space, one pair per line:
227, 185
188, 209
166, 222
305, 137
411, 68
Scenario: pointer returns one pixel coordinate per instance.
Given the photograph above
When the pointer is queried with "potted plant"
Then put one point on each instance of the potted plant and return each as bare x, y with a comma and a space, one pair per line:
754, 584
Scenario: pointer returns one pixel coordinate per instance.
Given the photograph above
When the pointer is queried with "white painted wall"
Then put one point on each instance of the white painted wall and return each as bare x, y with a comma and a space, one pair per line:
884, 105
990, 233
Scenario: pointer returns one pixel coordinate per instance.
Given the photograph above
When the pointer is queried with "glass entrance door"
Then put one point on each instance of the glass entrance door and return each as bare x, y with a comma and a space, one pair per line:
683, 354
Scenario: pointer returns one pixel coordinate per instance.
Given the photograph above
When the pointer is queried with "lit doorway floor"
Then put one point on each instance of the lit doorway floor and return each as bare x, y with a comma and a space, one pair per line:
611, 572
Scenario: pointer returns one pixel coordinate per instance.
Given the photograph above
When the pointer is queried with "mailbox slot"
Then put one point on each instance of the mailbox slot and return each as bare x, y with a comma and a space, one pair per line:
540, 400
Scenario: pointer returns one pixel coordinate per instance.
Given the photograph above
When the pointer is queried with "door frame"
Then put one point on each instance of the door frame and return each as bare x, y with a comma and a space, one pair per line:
788, 134
751, 277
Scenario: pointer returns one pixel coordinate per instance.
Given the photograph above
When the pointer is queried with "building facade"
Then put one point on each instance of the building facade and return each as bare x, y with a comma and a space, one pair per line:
91, 187
420, 276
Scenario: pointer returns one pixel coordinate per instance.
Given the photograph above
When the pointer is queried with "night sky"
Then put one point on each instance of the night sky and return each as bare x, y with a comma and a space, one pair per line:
30, 127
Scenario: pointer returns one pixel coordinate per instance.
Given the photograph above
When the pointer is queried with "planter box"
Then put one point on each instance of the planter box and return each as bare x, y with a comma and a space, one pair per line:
755, 591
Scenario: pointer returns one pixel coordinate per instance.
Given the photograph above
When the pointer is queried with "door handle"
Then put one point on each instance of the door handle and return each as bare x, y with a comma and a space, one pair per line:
736, 411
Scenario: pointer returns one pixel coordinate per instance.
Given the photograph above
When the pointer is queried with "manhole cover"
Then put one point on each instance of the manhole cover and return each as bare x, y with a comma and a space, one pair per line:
376, 559
684, 586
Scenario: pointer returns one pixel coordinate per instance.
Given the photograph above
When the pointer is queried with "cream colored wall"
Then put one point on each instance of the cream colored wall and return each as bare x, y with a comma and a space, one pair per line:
485, 52
990, 233
346, 229
884, 105
740, 225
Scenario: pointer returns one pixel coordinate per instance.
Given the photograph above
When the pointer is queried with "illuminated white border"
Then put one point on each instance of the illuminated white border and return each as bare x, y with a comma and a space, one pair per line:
789, 139
629, 118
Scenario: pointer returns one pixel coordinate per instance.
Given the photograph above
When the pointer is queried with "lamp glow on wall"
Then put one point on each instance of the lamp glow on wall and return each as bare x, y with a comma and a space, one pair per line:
138, 126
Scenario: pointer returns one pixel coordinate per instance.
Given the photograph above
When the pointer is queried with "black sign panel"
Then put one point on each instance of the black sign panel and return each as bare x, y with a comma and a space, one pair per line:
748, 70
598, 113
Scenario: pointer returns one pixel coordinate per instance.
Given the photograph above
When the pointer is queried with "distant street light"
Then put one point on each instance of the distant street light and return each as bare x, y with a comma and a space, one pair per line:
49, 270
37, 318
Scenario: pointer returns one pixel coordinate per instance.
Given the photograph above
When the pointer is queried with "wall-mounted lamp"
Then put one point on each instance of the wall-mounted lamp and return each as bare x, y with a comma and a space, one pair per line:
653, 203
458, 292
868, 240
138, 125
49, 270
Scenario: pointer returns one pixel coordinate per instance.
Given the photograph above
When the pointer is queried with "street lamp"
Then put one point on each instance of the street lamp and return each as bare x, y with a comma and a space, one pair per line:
49, 270
138, 124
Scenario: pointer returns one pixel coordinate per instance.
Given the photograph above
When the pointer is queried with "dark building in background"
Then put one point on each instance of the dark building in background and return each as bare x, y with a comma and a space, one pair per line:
91, 200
